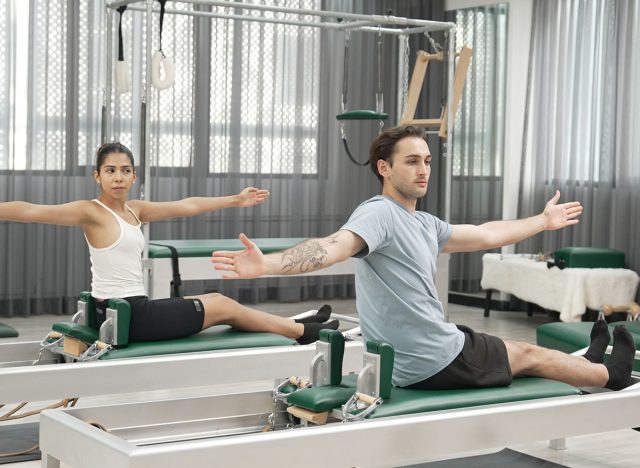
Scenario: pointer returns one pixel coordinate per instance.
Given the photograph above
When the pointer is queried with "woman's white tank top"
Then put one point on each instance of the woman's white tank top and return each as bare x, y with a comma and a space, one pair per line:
116, 271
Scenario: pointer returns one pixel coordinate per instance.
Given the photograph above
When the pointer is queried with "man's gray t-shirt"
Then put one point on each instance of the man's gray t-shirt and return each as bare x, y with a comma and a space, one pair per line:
395, 287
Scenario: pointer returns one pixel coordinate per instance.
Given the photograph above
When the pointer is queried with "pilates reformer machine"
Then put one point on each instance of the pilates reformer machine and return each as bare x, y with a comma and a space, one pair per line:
78, 359
311, 419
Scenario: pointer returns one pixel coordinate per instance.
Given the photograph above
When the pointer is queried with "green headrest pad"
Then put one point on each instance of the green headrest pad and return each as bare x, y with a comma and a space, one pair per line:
321, 398
215, 338
7, 331
81, 332
362, 114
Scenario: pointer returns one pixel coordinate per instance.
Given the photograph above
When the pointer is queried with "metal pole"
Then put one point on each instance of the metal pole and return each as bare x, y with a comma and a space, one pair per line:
447, 154
108, 82
402, 71
145, 166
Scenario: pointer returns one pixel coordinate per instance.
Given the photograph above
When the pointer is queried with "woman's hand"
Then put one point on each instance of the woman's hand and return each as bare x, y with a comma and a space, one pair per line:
252, 196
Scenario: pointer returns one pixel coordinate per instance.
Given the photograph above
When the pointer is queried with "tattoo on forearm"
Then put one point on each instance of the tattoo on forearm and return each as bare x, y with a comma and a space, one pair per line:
307, 256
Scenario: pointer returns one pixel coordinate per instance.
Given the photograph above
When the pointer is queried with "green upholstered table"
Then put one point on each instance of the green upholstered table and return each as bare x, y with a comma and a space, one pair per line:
192, 259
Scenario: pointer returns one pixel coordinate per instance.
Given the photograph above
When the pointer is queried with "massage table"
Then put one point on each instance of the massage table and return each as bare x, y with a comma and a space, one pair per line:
272, 429
569, 291
173, 261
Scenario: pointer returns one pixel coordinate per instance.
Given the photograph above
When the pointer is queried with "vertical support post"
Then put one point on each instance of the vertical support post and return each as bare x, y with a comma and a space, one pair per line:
145, 185
447, 154
108, 81
403, 67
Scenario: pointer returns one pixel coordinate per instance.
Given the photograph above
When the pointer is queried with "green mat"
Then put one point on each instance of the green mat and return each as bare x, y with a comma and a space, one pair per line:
16, 438
7, 332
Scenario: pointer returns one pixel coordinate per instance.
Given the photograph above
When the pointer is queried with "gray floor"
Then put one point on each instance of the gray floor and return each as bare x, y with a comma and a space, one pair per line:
613, 450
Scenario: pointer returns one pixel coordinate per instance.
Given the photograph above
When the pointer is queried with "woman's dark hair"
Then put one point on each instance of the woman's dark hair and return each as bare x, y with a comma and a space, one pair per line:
110, 148
382, 147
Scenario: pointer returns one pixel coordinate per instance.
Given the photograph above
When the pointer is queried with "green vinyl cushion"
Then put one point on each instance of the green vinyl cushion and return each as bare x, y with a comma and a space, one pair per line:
588, 257
81, 332
405, 401
216, 338
362, 114
320, 399
7, 331
204, 247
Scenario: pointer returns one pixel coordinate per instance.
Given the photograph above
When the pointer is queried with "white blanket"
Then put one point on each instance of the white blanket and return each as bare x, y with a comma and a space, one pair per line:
569, 291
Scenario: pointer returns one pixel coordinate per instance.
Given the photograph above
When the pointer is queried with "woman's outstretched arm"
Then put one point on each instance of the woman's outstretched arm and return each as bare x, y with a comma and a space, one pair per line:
67, 214
154, 211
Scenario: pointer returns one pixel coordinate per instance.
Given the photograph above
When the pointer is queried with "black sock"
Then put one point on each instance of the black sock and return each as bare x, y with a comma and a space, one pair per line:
322, 315
312, 331
620, 363
599, 341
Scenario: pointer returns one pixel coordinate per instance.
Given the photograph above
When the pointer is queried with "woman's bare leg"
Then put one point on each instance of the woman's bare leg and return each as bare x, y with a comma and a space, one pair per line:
221, 310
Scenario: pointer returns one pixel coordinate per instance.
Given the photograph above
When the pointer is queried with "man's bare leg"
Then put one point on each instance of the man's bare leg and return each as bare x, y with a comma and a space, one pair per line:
528, 359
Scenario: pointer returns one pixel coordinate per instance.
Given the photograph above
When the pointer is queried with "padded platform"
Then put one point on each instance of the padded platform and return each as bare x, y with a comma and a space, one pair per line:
204, 247
588, 257
7, 331
405, 401
213, 339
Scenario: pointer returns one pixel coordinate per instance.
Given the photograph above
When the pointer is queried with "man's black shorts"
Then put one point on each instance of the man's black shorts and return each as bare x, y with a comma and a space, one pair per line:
483, 362
160, 319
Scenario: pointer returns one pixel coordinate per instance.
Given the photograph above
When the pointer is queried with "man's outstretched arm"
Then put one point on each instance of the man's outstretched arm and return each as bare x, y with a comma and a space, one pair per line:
469, 238
307, 256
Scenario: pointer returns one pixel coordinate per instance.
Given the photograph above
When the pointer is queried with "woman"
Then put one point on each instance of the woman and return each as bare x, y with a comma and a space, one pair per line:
111, 227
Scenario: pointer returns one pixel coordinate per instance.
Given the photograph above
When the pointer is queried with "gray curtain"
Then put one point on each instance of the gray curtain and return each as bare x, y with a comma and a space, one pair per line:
478, 137
253, 104
583, 122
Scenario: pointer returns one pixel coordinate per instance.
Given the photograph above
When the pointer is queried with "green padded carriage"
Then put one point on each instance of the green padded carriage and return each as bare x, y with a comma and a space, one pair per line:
213, 339
401, 401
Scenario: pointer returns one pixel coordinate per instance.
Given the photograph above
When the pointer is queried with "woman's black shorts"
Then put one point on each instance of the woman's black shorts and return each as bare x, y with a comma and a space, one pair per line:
160, 319
483, 362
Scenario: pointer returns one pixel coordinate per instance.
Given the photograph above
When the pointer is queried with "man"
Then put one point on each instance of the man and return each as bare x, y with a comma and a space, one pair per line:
395, 287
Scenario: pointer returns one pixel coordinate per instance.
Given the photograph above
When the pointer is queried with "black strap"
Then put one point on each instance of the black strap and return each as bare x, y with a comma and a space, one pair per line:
175, 268
120, 10
353, 160
162, 5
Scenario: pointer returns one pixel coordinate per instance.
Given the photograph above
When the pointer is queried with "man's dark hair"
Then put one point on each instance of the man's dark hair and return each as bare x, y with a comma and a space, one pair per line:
111, 148
382, 147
